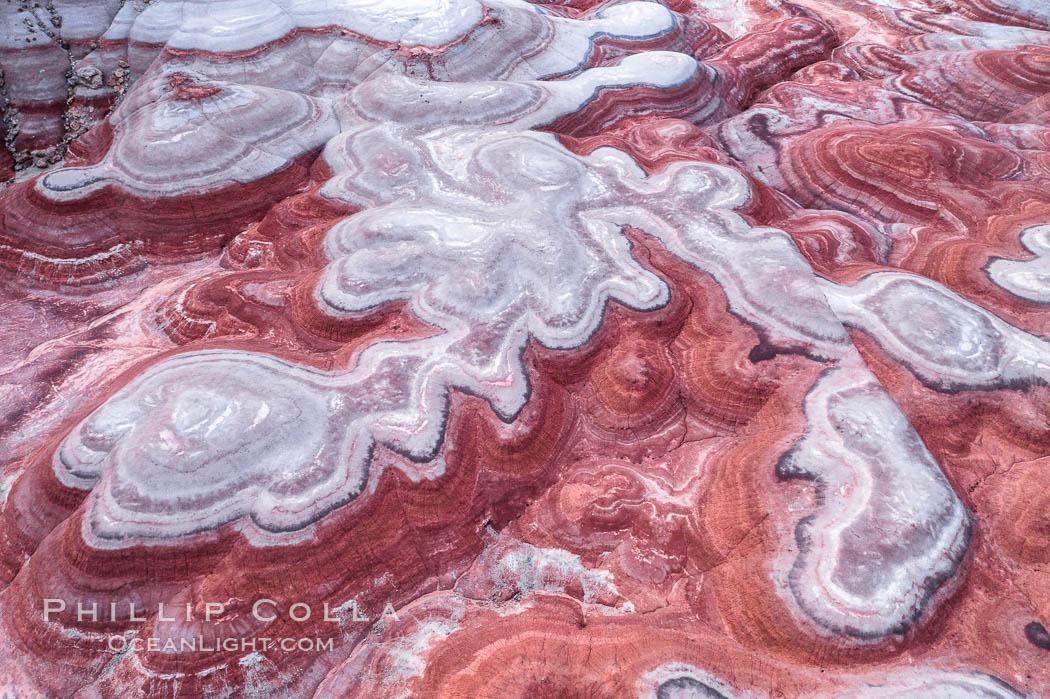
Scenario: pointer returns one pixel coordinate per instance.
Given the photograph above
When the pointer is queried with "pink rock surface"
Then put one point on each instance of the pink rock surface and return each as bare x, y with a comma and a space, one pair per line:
475, 348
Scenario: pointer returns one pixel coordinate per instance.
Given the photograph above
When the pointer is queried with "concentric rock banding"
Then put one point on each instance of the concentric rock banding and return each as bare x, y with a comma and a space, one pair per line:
622, 349
946, 341
102, 217
185, 118
876, 483
396, 393
1026, 278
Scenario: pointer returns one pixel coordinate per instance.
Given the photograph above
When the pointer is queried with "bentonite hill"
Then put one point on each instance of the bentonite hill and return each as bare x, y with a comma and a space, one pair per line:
492, 348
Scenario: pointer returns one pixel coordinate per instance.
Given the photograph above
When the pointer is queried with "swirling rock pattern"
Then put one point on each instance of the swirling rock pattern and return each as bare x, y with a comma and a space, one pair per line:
483, 348
861, 590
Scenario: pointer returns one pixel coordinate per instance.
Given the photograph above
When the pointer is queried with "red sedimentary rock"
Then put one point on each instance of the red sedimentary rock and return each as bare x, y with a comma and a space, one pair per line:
492, 348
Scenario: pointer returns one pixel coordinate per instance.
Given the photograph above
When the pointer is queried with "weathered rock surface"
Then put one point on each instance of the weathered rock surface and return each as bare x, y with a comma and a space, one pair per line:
663, 349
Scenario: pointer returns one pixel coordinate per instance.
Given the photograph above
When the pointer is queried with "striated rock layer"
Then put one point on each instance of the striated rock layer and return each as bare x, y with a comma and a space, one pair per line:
489, 348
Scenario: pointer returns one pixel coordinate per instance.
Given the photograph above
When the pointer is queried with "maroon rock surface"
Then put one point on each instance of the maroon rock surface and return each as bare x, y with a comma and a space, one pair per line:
484, 348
